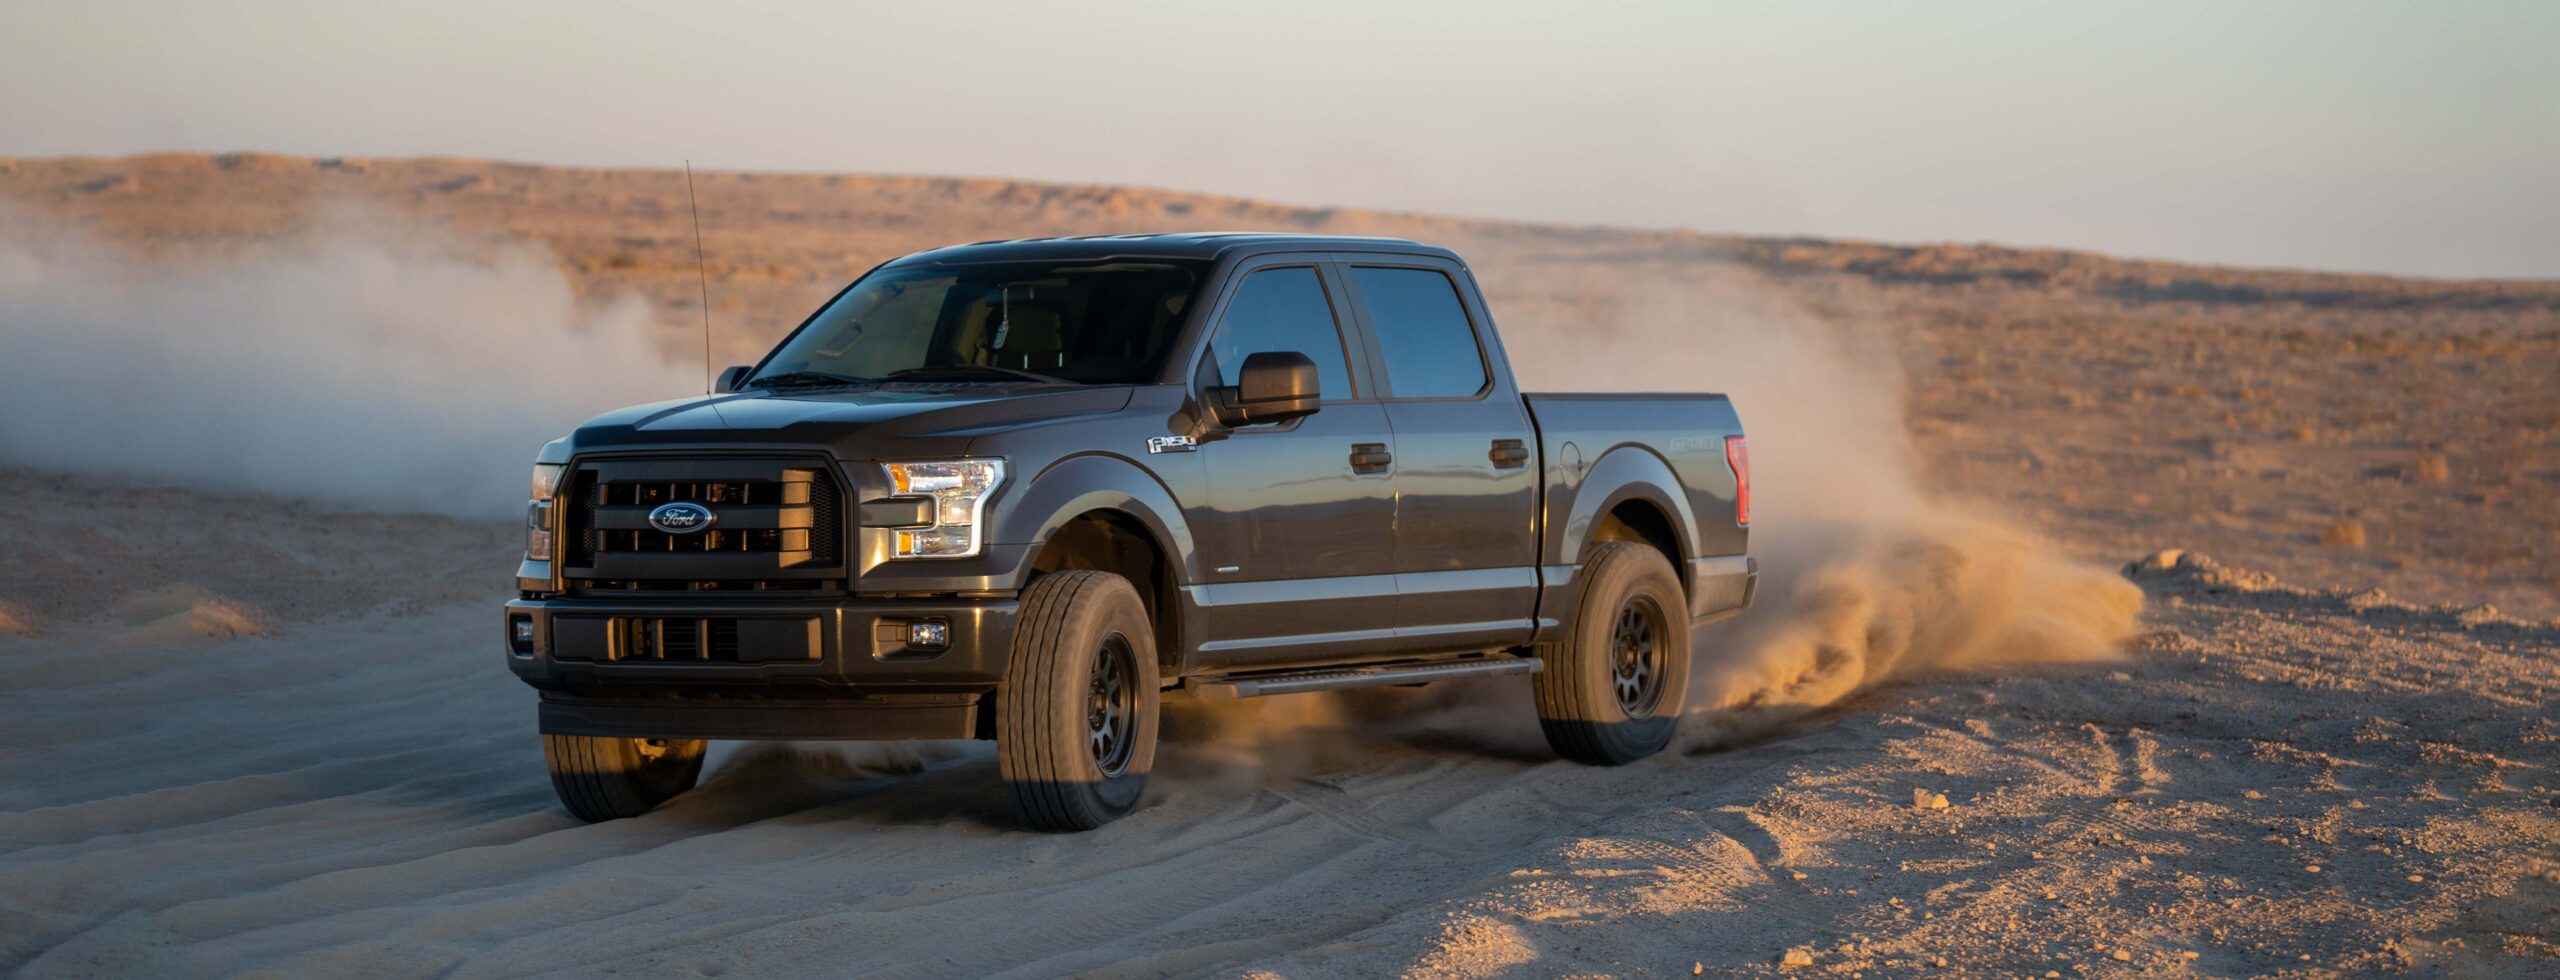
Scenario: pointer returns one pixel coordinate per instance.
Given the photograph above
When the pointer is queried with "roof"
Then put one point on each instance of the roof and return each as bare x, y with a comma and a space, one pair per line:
1188, 245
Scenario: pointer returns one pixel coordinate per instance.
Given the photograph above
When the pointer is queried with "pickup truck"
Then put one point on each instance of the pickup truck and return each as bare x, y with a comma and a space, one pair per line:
1025, 490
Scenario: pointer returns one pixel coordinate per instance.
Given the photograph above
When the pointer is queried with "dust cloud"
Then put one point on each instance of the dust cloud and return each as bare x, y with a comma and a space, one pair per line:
1866, 577
358, 361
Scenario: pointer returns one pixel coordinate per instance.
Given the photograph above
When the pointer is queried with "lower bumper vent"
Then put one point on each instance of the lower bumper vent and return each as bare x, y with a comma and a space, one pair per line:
685, 640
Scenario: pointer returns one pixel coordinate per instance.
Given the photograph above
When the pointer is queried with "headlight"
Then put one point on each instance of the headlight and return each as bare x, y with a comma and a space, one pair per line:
546, 480
537, 511
959, 489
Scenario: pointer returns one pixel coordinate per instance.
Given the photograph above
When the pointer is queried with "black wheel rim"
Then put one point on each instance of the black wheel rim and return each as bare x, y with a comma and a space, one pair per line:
1637, 657
1111, 712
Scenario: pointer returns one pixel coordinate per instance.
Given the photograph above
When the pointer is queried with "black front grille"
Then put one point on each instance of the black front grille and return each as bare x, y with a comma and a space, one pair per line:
709, 640
648, 496
795, 515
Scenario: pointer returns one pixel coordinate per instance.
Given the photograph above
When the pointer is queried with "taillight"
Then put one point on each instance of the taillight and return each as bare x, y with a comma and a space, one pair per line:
1738, 456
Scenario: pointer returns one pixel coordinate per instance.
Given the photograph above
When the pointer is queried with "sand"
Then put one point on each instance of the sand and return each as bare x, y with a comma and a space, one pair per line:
241, 733
363, 794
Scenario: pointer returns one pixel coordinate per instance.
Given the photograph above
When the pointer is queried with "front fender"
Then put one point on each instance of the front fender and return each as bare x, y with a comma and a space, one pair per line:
1095, 481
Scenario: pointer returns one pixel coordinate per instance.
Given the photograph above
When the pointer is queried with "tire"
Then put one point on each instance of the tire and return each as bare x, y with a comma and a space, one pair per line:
1076, 718
602, 779
1611, 692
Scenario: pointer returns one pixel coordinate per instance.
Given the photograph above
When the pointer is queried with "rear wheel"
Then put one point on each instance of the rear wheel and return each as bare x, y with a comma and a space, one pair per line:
1076, 720
1611, 692
602, 779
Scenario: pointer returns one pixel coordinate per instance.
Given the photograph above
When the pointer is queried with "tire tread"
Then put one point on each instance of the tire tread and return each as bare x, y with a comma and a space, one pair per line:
1566, 698
1038, 771
600, 779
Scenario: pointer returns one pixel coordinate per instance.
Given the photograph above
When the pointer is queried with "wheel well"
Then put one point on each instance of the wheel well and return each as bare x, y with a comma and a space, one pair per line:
1641, 521
1112, 541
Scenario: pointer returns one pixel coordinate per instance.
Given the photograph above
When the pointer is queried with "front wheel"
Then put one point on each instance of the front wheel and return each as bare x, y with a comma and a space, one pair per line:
1076, 719
1611, 692
601, 779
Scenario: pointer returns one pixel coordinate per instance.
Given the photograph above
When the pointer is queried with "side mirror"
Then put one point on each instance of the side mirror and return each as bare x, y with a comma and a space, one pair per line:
1274, 386
730, 379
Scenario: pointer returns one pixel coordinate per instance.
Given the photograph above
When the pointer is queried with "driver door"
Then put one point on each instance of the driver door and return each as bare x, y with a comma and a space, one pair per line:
1297, 531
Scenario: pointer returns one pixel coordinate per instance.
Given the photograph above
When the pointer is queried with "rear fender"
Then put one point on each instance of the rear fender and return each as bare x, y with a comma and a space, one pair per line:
1626, 472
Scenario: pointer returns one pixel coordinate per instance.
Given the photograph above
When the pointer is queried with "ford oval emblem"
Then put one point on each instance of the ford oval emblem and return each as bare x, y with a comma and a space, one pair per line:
680, 517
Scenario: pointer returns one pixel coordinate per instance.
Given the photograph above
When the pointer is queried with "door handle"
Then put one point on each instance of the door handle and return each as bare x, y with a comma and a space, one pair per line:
1508, 454
1370, 457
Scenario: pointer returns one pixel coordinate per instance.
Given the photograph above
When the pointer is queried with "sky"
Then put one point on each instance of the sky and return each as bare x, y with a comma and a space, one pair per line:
2418, 138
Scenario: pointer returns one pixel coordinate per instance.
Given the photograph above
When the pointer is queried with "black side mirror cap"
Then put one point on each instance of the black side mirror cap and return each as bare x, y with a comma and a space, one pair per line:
732, 378
1273, 386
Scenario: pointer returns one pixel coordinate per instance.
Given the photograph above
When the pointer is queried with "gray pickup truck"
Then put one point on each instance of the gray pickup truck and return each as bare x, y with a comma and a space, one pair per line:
1026, 490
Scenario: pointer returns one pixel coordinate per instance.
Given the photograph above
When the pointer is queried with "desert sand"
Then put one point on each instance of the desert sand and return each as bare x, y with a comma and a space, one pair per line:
246, 733
2270, 779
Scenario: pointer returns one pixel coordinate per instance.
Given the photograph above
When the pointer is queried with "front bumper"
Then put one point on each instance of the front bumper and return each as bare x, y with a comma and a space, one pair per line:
836, 667
876, 717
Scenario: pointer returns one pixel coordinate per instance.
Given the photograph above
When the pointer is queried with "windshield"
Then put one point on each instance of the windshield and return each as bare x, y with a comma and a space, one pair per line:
1022, 322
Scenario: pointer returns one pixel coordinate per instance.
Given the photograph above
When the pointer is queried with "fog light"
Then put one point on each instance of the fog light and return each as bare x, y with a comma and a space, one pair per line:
932, 634
520, 635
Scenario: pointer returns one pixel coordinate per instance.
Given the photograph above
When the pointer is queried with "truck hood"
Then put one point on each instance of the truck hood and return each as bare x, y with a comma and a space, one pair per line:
842, 417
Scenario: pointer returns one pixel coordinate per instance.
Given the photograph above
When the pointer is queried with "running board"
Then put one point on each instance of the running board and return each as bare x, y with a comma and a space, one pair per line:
1226, 686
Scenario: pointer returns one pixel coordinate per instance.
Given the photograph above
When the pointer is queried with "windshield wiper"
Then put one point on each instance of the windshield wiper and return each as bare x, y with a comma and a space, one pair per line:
953, 372
803, 379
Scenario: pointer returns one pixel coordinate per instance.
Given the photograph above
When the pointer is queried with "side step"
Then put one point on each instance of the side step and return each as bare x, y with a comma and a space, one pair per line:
1222, 687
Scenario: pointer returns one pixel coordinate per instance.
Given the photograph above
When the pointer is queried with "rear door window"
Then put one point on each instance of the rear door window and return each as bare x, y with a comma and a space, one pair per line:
1423, 332
1282, 310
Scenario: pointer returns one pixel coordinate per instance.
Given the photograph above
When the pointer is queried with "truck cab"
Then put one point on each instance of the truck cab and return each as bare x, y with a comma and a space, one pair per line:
1025, 490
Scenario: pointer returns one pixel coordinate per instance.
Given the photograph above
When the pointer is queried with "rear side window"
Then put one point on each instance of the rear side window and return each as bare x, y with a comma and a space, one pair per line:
1282, 310
1422, 330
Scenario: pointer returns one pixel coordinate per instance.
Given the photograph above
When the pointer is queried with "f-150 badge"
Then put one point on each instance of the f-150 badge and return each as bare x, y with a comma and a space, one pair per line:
1171, 444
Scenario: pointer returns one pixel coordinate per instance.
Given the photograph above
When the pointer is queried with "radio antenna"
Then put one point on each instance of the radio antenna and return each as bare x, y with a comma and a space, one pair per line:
701, 274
